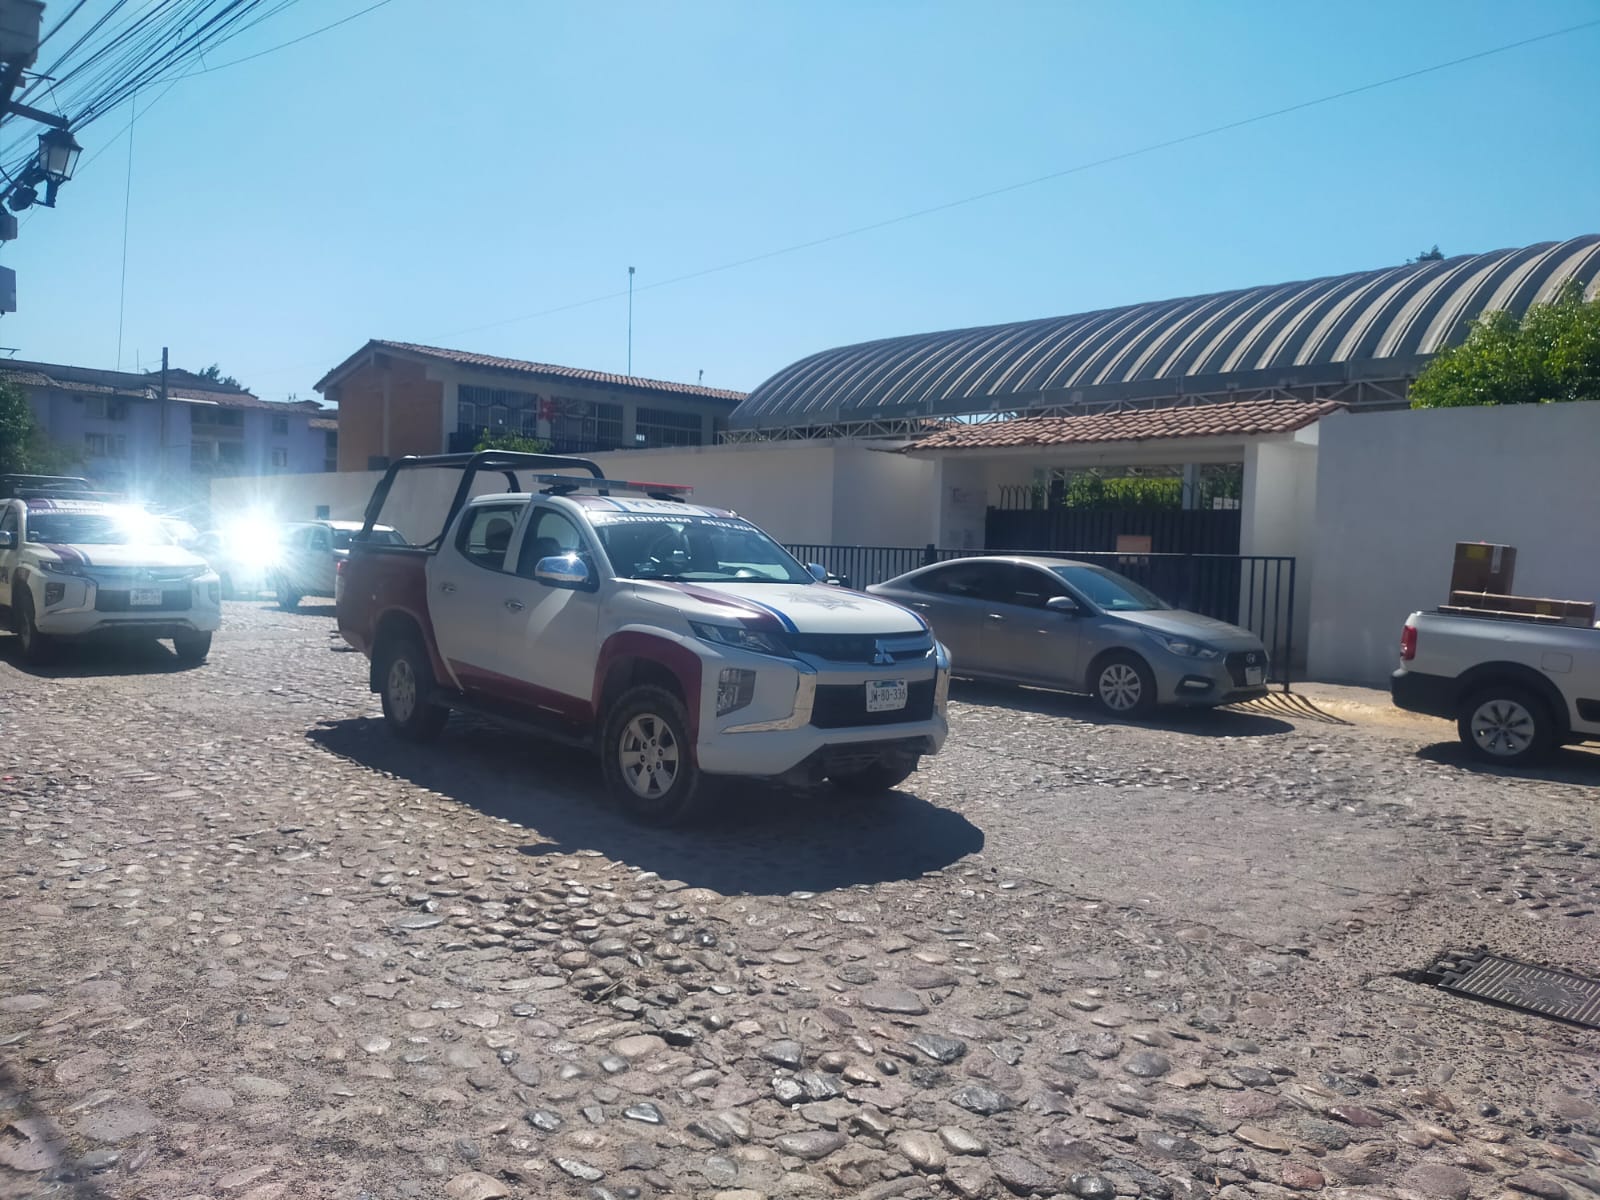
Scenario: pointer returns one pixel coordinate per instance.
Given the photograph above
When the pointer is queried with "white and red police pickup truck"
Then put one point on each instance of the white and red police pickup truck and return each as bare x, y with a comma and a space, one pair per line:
73, 567
678, 641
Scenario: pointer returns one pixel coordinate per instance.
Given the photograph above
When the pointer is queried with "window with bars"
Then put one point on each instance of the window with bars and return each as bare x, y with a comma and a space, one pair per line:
667, 427
581, 425
105, 445
498, 410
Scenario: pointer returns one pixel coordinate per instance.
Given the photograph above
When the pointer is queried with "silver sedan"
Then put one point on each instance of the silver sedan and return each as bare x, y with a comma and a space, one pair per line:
1056, 623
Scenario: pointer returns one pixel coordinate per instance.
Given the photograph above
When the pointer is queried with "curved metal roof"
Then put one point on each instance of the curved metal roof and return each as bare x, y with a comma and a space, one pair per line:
1369, 325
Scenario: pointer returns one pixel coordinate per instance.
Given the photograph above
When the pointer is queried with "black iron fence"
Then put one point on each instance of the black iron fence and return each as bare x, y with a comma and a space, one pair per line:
1255, 591
1166, 531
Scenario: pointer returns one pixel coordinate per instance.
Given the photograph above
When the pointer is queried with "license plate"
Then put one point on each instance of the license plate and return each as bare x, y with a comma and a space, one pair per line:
886, 695
1254, 675
145, 598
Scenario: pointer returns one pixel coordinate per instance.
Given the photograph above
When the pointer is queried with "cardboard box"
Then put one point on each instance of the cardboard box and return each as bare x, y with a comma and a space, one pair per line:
1483, 567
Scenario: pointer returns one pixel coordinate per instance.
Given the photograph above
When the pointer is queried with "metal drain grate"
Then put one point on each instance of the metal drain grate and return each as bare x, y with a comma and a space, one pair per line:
1539, 990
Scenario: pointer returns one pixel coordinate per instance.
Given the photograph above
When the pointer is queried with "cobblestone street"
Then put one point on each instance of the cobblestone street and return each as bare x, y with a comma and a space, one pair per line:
254, 948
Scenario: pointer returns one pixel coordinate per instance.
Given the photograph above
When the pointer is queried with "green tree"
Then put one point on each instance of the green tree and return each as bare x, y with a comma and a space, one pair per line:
512, 441
24, 448
215, 375
1434, 255
1551, 355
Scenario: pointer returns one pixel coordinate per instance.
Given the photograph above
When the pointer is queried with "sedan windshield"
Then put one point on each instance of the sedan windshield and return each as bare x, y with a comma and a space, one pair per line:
128, 528
1109, 591
695, 549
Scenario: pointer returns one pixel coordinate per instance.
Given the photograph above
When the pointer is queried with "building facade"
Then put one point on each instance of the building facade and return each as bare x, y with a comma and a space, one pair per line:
128, 439
398, 398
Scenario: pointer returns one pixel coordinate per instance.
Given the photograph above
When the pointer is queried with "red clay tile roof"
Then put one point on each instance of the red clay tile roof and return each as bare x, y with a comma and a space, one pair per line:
325, 422
517, 366
1242, 419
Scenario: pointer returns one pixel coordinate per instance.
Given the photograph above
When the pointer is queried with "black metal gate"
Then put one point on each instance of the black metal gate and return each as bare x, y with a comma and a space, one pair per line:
1061, 529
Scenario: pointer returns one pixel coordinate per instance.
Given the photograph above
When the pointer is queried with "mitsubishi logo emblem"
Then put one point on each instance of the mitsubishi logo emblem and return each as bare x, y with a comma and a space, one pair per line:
880, 656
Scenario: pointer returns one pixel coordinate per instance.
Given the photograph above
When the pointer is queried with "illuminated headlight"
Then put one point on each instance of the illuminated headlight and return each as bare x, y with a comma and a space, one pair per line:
60, 568
1186, 647
740, 638
735, 689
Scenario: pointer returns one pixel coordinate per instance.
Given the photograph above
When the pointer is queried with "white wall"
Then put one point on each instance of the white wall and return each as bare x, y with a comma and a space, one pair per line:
881, 498
800, 492
784, 487
1278, 517
1397, 490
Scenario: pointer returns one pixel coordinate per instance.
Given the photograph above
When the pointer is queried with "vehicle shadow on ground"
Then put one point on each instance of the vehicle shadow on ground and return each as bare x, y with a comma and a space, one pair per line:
762, 840
1567, 765
1195, 722
83, 660
304, 609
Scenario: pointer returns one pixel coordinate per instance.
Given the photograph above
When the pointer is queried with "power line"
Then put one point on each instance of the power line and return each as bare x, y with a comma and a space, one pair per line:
1079, 168
127, 205
292, 42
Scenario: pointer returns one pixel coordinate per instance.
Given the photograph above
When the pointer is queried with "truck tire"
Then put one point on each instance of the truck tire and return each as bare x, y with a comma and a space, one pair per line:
648, 759
1122, 685
36, 647
405, 683
875, 780
192, 648
1506, 725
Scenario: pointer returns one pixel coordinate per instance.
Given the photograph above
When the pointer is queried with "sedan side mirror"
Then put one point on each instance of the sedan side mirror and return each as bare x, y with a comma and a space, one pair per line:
8, 540
818, 572
563, 571
1065, 605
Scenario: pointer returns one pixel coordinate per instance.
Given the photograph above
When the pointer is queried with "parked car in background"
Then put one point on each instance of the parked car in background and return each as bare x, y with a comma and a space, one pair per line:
309, 554
1056, 623
242, 556
1515, 688
76, 568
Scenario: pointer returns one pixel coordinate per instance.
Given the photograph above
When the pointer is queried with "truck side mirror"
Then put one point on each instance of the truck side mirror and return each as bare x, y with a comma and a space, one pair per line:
8, 540
818, 572
563, 571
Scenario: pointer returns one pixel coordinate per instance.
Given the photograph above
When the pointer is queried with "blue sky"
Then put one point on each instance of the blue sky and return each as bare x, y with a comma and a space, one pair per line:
439, 173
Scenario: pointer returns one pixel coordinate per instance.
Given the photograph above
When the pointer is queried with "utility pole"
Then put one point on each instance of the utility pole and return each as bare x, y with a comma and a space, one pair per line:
630, 322
161, 447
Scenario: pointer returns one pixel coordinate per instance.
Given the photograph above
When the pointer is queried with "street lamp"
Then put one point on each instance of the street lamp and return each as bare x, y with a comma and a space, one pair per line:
57, 159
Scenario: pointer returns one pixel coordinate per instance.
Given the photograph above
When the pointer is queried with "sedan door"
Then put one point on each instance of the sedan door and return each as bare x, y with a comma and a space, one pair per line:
1029, 642
957, 599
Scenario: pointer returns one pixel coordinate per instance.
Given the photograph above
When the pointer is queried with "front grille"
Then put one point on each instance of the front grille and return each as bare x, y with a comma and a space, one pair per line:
171, 601
844, 706
1239, 660
864, 648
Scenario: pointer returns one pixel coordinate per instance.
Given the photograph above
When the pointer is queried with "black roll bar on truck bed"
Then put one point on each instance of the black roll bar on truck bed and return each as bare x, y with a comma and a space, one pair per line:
506, 462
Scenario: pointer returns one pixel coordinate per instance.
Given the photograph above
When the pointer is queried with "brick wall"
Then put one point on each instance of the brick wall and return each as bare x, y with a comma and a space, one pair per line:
416, 412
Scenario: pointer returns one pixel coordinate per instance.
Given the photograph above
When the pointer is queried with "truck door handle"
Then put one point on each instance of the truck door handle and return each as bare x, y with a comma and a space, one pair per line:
447, 586
515, 605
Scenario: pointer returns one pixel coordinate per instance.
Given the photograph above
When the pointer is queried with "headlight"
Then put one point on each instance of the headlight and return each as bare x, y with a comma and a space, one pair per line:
59, 568
1186, 647
741, 638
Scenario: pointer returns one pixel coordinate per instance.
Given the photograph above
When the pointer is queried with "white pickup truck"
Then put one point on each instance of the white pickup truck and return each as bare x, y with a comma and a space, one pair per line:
81, 568
1516, 688
678, 641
